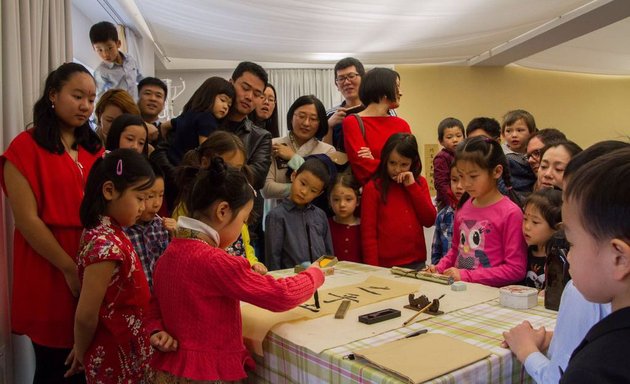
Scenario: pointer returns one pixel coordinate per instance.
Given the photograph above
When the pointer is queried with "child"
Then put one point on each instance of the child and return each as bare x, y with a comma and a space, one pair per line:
345, 227
576, 315
128, 131
491, 249
517, 127
110, 339
484, 126
296, 230
117, 70
151, 233
207, 325
200, 117
595, 211
443, 235
230, 148
396, 205
450, 133
542, 218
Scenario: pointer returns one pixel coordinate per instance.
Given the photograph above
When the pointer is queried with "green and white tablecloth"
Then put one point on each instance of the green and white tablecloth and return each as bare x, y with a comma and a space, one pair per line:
481, 325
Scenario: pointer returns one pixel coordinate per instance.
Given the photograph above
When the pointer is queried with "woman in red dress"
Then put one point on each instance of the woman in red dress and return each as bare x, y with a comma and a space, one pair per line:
43, 173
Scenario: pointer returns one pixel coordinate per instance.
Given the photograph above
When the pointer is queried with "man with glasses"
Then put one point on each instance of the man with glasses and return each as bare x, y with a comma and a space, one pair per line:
348, 74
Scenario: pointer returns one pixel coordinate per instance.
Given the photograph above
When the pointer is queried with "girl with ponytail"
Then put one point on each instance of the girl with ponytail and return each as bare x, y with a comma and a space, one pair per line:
196, 267
488, 244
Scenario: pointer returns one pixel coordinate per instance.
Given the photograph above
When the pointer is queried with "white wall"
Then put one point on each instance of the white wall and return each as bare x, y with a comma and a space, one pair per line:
193, 80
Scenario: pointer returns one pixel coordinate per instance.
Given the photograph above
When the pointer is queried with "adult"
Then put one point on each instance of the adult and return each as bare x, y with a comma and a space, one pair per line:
249, 80
307, 121
112, 104
537, 142
266, 113
43, 173
554, 159
349, 73
364, 137
152, 94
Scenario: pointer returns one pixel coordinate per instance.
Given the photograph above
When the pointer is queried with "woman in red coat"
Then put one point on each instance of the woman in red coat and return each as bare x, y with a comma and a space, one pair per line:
43, 173
380, 91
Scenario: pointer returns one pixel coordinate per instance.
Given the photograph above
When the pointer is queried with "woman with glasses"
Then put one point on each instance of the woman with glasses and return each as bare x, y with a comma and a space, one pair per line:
266, 113
535, 145
365, 133
306, 121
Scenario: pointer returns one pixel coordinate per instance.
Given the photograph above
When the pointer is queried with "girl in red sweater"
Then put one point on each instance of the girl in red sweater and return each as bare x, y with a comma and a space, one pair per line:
396, 205
198, 286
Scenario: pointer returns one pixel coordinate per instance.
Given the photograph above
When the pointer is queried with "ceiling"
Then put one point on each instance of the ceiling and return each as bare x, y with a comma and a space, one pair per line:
571, 35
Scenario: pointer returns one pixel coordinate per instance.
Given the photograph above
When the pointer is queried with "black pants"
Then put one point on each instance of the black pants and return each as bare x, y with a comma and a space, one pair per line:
50, 366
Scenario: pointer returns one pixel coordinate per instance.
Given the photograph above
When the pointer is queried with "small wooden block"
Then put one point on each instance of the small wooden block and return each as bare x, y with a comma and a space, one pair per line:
342, 310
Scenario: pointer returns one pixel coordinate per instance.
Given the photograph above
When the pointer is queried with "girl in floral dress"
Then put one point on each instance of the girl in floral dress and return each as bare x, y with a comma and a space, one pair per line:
111, 343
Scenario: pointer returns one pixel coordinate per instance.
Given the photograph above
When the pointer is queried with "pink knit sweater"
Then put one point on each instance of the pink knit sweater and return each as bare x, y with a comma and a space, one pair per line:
196, 294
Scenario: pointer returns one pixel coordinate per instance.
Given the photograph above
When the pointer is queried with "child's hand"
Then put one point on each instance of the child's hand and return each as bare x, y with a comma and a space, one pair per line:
170, 224
163, 342
76, 364
282, 151
260, 268
454, 273
524, 340
405, 178
365, 153
432, 269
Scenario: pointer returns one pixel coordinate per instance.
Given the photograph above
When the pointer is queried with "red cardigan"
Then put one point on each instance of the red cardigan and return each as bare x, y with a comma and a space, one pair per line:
197, 291
377, 130
392, 233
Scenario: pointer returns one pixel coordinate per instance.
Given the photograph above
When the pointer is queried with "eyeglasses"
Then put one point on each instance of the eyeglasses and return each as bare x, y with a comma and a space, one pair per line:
306, 117
350, 76
269, 99
534, 154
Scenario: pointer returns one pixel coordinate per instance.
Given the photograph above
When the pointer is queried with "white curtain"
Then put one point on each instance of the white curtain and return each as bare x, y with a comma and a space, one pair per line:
36, 38
293, 83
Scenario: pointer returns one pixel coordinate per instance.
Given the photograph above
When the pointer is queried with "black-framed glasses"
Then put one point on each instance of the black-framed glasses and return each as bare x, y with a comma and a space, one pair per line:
350, 76
533, 154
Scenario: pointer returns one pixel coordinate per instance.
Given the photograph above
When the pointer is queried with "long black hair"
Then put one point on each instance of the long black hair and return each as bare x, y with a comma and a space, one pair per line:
124, 168
407, 146
203, 98
487, 154
46, 123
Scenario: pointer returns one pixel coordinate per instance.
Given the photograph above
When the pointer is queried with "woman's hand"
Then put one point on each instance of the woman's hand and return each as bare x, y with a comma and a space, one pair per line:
365, 153
454, 273
75, 362
71, 275
405, 178
163, 342
282, 151
259, 268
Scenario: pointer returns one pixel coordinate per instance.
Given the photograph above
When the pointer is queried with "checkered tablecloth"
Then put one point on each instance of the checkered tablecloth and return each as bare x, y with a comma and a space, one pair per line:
481, 325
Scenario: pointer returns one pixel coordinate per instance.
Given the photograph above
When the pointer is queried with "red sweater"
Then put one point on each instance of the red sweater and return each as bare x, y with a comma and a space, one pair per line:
392, 233
377, 130
197, 291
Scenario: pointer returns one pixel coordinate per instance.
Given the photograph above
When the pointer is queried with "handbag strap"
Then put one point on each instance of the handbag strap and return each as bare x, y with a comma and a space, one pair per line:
356, 115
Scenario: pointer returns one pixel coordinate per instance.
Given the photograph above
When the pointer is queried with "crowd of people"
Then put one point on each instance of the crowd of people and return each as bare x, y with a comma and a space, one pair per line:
114, 226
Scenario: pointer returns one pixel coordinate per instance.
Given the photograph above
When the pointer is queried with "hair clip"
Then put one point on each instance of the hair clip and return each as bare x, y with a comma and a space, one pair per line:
119, 167
105, 153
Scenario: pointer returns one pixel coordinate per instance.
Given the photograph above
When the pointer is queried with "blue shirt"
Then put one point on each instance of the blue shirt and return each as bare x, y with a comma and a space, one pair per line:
443, 234
150, 241
119, 76
286, 240
575, 317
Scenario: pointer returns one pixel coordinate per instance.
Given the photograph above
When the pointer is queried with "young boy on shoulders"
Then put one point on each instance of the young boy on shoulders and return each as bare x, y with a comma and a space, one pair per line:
117, 70
296, 224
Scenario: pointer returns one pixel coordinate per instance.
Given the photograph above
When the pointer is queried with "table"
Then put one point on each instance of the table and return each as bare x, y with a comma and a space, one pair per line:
481, 325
